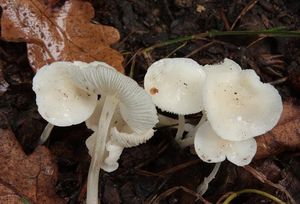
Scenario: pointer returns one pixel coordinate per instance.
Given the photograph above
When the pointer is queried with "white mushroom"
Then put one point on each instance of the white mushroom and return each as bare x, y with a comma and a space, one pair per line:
59, 100
238, 105
117, 91
121, 136
175, 86
67, 94
212, 148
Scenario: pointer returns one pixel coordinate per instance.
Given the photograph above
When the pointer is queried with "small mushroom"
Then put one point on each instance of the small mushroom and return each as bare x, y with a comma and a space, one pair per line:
67, 94
59, 100
238, 105
213, 149
118, 93
175, 86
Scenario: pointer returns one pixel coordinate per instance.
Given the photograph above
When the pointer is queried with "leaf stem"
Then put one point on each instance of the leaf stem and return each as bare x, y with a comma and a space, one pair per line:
273, 32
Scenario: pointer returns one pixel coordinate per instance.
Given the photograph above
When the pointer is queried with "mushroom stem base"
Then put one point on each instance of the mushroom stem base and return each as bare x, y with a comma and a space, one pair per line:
202, 188
110, 104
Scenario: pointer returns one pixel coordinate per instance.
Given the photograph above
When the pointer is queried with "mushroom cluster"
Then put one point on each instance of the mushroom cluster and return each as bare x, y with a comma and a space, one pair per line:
236, 106
124, 116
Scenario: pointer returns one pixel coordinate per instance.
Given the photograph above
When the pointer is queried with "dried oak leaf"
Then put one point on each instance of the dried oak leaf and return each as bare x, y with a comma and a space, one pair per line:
59, 34
284, 136
51, 2
31, 177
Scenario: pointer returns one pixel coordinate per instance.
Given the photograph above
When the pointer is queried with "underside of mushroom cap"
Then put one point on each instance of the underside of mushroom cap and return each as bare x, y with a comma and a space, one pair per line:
120, 132
212, 148
93, 121
130, 139
175, 85
60, 101
238, 105
135, 105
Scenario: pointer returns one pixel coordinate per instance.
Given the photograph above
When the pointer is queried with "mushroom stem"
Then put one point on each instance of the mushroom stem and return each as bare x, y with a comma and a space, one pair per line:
202, 188
186, 142
189, 139
180, 129
110, 104
46, 133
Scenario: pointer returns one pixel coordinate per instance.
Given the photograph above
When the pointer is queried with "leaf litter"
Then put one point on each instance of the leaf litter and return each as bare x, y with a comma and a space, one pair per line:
137, 179
32, 177
59, 33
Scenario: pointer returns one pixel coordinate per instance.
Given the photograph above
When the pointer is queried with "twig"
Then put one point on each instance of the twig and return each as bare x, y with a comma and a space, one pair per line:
179, 167
247, 8
279, 81
224, 19
262, 178
255, 41
176, 188
223, 197
199, 49
168, 10
176, 49
132, 67
262, 193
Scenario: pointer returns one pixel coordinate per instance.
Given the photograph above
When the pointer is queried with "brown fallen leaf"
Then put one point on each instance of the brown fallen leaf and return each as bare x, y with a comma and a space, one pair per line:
30, 177
59, 34
284, 136
51, 2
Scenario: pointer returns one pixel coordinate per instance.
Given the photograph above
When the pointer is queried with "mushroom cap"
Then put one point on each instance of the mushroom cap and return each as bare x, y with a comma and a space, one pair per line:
120, 132
135, 105
238, 105
130, 139
93, 121
60, 101
212, 149
175, 85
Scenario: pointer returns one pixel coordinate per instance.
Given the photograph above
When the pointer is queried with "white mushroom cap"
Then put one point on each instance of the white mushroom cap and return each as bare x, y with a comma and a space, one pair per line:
59, 100
120, 132
93, 121
175, 85
238, 105
136, 106
212, 148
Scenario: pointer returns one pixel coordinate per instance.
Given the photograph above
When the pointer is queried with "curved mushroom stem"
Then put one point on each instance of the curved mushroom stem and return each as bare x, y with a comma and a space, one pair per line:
180, 129
107, 113
202, 188
46, 133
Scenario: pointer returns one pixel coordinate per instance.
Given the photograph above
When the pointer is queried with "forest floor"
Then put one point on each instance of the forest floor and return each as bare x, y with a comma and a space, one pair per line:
159, 171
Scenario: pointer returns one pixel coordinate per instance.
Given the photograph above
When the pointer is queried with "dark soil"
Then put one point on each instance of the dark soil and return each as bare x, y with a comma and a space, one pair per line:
149, 170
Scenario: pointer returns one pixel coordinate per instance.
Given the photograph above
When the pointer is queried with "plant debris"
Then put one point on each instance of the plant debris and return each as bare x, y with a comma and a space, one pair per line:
285, 136
158, 170
26, 177
59, 34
